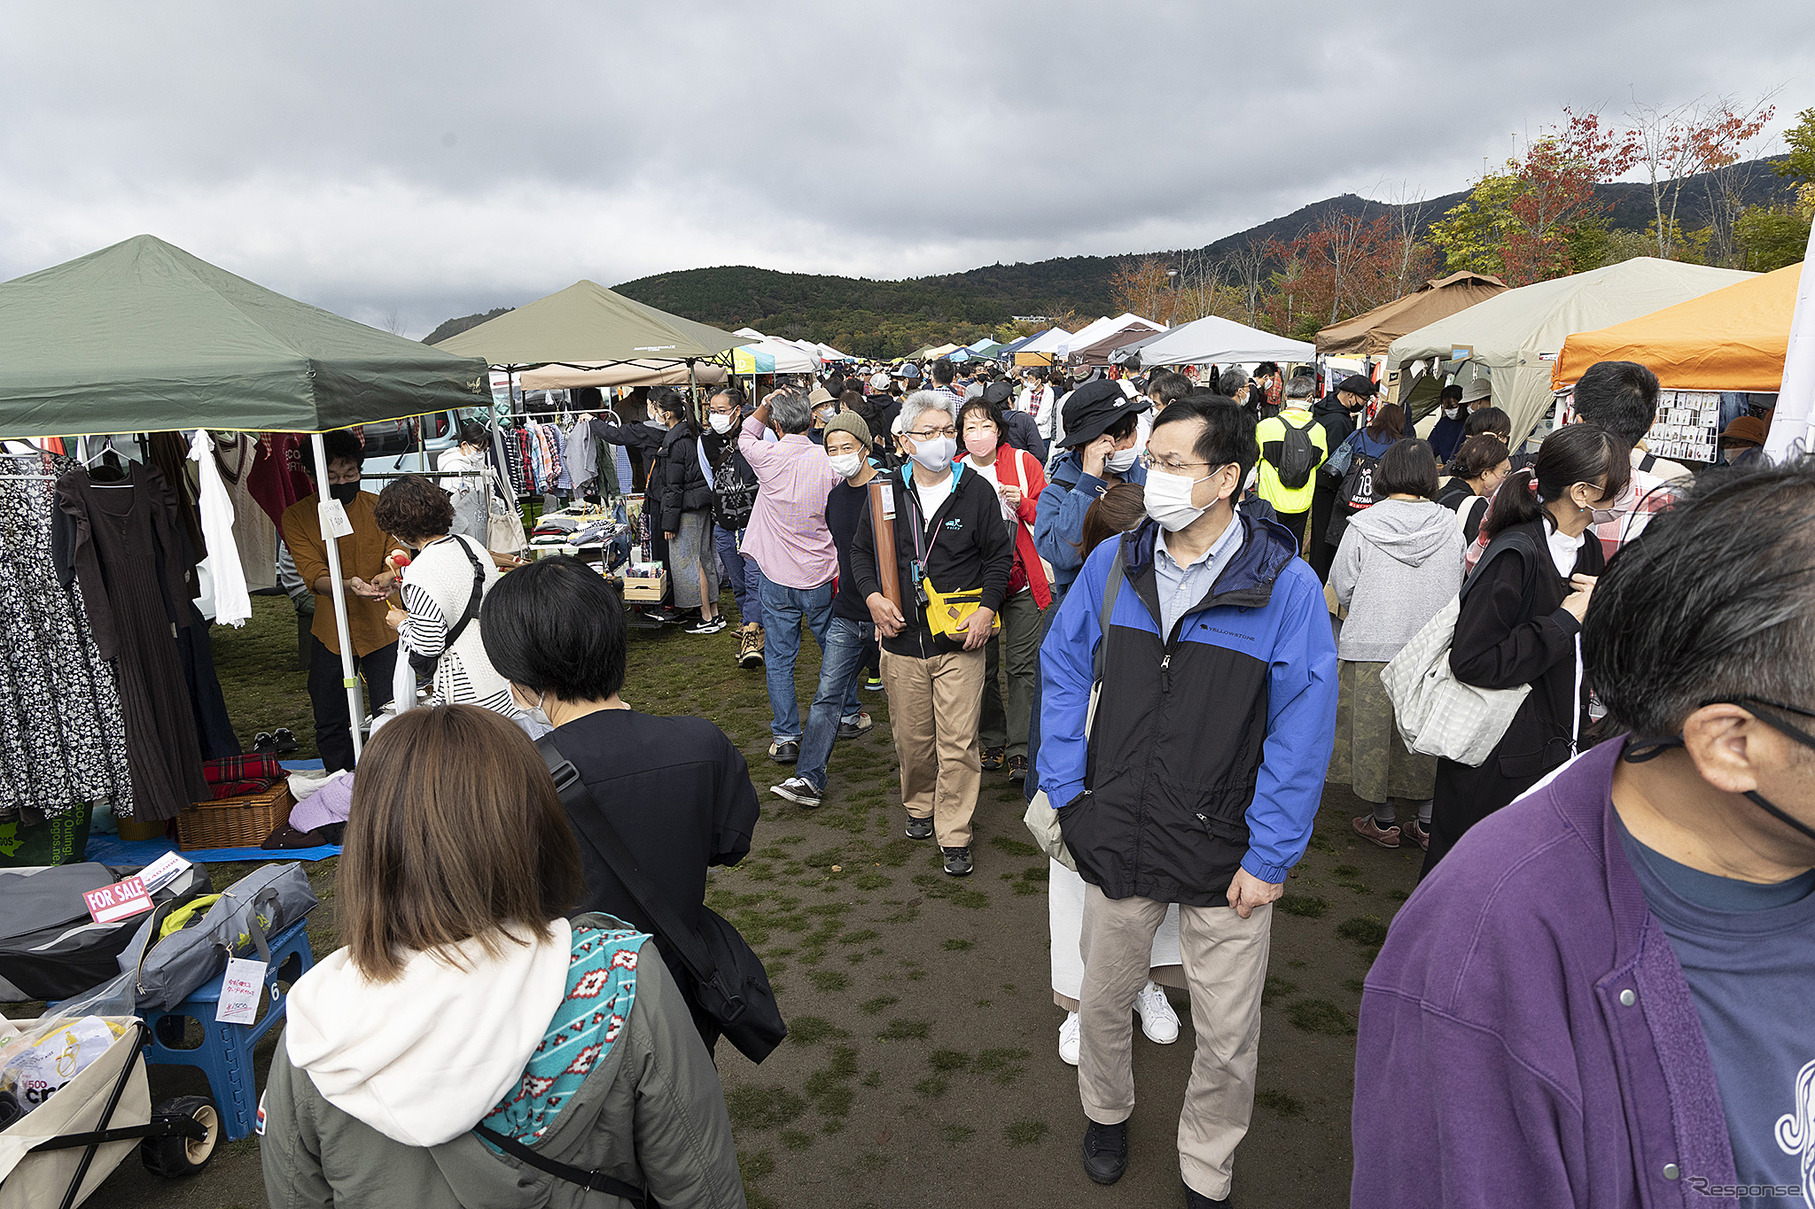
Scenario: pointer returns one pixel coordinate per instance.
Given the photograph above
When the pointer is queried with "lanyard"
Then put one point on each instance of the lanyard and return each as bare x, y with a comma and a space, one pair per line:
923, 551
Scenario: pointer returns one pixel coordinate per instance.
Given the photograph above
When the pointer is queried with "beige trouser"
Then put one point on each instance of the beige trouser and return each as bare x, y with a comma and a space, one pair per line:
933, 707
1225, 959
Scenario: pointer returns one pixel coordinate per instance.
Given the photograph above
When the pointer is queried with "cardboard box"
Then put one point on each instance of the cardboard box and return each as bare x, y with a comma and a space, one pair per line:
646, 586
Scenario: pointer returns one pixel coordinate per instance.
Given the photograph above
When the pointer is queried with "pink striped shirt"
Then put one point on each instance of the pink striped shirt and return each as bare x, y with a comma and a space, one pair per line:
787, 535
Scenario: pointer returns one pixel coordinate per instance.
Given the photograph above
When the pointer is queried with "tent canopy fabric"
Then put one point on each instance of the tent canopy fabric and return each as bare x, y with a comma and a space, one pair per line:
1047, 341
1098, 351
1222, 341
1095, 330
1516, 334
1731, 339
1369, 334
1015, 346
621, 373
144, 337
587, 323
762, 354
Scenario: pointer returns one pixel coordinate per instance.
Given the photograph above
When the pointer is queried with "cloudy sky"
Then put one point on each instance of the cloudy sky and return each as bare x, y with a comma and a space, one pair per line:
401, 163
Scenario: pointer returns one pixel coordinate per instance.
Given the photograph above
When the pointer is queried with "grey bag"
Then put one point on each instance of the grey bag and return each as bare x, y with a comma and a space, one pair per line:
264, 902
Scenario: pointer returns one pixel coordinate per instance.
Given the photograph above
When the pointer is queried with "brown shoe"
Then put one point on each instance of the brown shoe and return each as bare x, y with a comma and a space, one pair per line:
749, 645
1368, 829
992, 758
1421, 835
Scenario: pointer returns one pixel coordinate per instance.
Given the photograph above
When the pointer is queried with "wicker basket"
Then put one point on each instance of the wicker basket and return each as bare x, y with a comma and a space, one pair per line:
234, 822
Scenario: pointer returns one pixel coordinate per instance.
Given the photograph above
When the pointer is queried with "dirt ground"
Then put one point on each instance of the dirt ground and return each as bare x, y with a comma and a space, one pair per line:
922, 1069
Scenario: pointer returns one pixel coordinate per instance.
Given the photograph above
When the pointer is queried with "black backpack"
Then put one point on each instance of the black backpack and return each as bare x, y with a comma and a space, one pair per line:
1297, 457
733, 490
1357, 490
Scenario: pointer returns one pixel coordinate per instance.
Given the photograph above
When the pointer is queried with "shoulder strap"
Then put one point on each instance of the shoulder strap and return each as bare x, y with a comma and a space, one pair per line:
472, 605
1506, 541
1111, 589
603, 838
596, 1181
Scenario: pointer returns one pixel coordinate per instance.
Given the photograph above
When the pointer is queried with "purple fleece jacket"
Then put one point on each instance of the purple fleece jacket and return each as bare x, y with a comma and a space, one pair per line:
1527, 1036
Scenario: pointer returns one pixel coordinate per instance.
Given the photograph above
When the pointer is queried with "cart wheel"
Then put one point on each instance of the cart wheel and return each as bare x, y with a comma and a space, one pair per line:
175, 1156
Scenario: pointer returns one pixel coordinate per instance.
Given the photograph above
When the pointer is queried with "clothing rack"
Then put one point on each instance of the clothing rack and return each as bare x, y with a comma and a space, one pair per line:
426, 474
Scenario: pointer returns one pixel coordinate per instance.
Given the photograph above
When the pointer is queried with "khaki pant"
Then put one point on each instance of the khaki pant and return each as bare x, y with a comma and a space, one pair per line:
933, 706
1225, 958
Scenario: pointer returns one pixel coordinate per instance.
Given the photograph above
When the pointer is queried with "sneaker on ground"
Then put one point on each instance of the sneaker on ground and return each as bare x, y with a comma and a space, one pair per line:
992, 759
851, 730
957, 862
1106, 1152
1421, 835
707, 627
749, 645
1068, 1039
874, 684
1017, 768
919, 829
1197, 1200
798, 790
1158, 1021
784, 751
1374, 833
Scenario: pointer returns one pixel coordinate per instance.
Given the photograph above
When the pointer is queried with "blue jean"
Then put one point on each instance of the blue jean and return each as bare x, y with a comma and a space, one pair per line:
746, 576
783, 611
836, 700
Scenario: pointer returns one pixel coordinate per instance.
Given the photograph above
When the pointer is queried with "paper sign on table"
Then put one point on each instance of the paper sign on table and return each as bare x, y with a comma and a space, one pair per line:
240, 985
162, 872
122, 900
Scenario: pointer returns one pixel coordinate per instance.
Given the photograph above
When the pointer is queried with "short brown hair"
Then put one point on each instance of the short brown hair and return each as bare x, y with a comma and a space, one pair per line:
413, 507
454, 833
1117, 510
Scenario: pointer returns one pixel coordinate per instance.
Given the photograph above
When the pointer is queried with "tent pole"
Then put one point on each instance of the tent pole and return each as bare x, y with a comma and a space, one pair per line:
355, 707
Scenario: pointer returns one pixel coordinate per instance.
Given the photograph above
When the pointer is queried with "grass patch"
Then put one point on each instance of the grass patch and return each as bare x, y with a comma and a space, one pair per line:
870, 881
756, 1166
932, 1087
1006, 1065
1024, 1133
811, 1030
955, 1135
1275, 988
907, 1029
1398, 896
1320, 1016
948, 1059
1277, 1102
1013, 847
796, 1139
1357, 985
953, 945
872, 1007
1345, 871
857, 938
1364, 930
754, 1107
1308, 905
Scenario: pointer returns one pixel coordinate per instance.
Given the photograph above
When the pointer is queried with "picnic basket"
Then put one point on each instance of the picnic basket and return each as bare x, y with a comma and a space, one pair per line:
241, 822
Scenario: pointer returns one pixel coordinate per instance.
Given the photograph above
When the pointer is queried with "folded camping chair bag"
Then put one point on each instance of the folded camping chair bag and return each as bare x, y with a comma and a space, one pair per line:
49, 947
172, 964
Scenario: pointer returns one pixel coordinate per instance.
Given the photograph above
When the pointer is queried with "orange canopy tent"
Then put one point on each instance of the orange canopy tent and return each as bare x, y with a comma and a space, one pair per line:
1731, 339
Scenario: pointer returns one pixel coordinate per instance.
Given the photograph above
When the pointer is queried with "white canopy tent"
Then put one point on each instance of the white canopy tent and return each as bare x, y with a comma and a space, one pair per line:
773, 355
1793, 426
1095, 330
828, 353
1215, 340
1515, 336
1047, 342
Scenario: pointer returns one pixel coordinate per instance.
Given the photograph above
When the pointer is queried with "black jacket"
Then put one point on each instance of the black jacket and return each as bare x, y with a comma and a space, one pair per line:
646, 440
1513, 630
970, 548
684, 486
1338, 421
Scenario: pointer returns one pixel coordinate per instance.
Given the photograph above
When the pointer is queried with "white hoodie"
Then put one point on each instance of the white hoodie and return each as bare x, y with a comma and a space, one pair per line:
423, 1058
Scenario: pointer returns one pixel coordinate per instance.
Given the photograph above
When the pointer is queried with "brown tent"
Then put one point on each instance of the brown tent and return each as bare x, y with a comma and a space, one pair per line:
1369, 334
1097, 352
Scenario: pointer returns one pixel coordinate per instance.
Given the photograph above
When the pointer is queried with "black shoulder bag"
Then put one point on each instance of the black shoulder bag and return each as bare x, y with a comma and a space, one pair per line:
424, 665
596, 1181
729, 982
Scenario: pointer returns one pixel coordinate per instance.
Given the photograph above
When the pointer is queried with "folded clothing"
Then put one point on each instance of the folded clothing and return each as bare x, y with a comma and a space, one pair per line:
326, 806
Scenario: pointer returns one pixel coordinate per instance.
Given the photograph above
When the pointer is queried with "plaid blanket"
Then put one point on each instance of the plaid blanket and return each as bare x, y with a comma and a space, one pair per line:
237, 776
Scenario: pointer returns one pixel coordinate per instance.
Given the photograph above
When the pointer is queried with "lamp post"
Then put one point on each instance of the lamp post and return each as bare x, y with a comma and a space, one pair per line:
1172, 290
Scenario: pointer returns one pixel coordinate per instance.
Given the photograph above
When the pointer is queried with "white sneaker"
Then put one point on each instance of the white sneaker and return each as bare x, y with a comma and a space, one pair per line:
1158, 1020
1068, 1039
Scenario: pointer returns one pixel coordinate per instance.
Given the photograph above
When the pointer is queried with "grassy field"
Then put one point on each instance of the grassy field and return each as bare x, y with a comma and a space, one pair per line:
922, 1067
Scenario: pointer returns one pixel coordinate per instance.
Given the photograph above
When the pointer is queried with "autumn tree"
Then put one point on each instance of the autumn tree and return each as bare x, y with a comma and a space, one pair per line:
1704, 137
1144, 287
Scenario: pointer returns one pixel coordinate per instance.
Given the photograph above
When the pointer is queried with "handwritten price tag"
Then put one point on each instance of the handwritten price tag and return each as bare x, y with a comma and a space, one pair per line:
122, 900
240, 985
334, 522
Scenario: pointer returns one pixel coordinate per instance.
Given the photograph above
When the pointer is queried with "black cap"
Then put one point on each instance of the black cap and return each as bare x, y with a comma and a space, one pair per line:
998, 393
1091, 409
1355, 384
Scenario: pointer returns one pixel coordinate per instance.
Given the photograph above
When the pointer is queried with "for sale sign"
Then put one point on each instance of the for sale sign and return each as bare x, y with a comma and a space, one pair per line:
122, 900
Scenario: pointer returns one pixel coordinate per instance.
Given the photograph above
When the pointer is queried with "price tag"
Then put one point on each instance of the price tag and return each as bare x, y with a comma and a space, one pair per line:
888, 500
240, 985
334, 522
162, 872
122, 900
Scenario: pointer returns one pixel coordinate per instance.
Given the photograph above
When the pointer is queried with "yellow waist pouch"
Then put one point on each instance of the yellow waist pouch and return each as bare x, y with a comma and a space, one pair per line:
948, 612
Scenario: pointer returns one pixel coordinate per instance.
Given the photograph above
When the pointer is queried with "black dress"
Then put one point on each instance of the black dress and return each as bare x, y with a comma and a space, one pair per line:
1505, 638
131, 562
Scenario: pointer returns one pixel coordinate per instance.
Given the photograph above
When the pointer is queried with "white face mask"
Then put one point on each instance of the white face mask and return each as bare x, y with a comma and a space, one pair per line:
1168, 499
720, 422
1450, 413
935, 453
534, 711
1121, 460
846, 464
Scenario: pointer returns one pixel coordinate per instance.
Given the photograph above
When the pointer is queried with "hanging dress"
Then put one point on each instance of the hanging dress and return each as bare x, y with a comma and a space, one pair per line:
127, 554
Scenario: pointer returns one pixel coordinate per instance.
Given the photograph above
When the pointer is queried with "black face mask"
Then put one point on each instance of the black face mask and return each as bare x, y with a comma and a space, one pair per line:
346, 493
1640, 750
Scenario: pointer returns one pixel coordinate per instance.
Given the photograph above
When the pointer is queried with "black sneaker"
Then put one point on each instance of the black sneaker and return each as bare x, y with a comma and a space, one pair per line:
1197, 1200
707, 627
919, 829
857, 729
285, 740
992, 759
263, 744
798, 790
957, 862
1106, 1152
1017, 768
784, 751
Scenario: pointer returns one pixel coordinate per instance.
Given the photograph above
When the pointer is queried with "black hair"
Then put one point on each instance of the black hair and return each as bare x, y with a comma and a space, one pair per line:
556, 627
1579, 453
413, 508
1227, 435
1265, 368
1488, 419
341, 446
835, 385
942, 371
1714, 601
1123, 426
472, 432
1451, 393
991, 412
734, 393
1620, 396
1478, 455
1407, 468
668, 401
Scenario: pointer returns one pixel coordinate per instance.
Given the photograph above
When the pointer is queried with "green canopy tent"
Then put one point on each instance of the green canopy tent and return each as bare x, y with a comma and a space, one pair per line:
144, 337
588, 326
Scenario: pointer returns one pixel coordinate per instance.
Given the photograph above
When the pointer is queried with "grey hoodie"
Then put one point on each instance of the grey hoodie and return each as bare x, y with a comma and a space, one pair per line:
1400, 562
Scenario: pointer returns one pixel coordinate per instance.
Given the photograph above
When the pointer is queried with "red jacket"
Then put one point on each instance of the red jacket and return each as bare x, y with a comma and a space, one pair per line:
1018, 468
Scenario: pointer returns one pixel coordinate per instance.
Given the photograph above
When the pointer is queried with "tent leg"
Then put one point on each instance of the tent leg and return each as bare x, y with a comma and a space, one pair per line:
355, 705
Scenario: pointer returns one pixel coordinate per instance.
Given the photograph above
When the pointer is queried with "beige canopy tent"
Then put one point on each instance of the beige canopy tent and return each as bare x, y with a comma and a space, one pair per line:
619, 373
1516, 335
588, 325
1369, 334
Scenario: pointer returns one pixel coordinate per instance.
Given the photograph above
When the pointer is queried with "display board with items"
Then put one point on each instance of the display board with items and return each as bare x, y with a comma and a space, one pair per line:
1687, 427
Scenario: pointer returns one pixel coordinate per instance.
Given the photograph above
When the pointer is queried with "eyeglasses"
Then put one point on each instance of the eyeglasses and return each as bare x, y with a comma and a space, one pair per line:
1149, 462
934, 434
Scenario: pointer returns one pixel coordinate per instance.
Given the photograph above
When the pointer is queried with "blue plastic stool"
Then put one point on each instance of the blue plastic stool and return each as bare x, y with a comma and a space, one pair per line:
225, 1052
